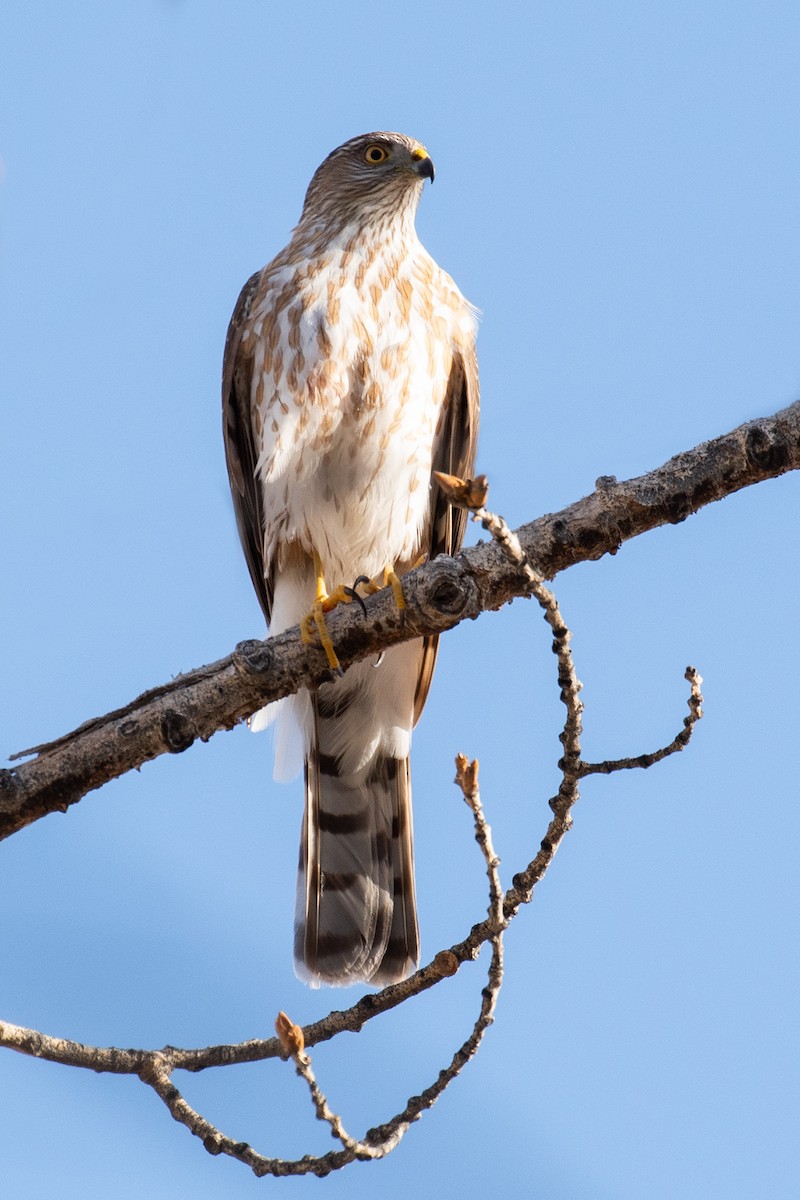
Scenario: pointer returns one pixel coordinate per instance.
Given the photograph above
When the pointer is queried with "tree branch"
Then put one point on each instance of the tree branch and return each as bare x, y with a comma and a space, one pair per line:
156, 1067
439, 595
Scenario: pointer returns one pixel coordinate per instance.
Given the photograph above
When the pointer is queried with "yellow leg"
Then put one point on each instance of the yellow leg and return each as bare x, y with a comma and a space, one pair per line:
393, 580
323, 603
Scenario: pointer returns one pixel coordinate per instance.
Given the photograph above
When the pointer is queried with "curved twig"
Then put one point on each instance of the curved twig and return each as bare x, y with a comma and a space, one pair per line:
156, 1067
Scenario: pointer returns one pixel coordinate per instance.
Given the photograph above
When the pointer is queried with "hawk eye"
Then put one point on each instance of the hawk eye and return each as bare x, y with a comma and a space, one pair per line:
376, 154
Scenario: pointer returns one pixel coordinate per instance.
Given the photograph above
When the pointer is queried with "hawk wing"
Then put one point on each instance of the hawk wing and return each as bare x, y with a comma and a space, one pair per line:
240, 451
454, 454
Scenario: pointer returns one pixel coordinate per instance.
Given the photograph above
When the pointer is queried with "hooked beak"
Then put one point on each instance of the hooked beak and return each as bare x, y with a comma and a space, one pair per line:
423, 164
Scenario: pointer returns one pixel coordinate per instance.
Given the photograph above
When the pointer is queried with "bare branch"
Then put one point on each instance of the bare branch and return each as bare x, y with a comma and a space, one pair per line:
380, 1141
156, 1067
679, 742
169, 718
471, 494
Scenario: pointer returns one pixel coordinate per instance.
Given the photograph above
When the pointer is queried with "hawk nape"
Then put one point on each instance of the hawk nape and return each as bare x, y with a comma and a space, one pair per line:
349, 376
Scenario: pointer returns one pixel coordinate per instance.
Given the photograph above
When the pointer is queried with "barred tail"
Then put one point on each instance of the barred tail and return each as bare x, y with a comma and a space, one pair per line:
356, 916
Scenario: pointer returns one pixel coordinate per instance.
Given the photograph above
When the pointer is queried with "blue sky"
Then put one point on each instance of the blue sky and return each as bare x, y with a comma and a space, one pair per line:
617, 190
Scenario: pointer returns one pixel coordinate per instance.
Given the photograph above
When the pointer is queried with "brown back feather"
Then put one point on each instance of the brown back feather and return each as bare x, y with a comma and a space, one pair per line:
454, 454
240, 451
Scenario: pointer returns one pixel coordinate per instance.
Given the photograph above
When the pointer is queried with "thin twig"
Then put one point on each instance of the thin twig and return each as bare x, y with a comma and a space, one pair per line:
380, 1141
472, 494
156, 1067
679, 742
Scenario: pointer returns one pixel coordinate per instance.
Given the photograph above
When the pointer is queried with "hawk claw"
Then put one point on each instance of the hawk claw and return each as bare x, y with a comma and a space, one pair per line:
353, 594
387, 578
326, 602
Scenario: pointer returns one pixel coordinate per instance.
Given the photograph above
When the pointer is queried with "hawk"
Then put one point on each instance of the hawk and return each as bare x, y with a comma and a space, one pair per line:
350, 376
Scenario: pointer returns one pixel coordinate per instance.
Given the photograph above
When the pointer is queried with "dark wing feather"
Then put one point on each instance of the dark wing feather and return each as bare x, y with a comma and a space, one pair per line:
240, 451
454, 454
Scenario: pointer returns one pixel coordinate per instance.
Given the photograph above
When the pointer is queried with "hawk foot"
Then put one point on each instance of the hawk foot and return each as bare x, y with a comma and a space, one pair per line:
315, 620
386, 578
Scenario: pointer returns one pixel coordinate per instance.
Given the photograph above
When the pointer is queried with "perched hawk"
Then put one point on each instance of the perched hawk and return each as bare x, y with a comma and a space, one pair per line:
349, 376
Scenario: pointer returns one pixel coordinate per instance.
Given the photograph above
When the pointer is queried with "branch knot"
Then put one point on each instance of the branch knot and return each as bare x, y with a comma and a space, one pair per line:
178, 731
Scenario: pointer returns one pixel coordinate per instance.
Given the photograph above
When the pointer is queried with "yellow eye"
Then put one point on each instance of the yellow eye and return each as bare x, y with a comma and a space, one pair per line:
376, 154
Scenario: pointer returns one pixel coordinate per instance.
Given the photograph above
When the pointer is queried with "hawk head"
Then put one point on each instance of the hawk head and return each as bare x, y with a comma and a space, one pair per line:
372, 177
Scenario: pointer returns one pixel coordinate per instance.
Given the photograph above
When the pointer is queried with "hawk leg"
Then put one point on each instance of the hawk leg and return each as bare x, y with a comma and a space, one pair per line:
325, 602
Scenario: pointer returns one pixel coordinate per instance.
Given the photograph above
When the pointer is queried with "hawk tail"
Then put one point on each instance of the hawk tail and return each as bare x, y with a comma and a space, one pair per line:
356, 916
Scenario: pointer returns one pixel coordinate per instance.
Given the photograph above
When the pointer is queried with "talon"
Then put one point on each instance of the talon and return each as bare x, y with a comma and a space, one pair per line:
353, 594
370, 586
387, 578
325, 602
